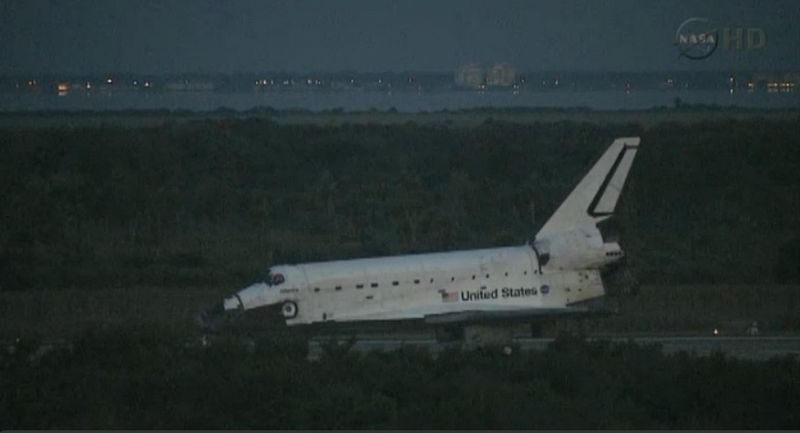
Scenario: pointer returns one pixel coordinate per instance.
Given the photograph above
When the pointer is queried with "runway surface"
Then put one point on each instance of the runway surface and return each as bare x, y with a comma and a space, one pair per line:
742, 347
755, 348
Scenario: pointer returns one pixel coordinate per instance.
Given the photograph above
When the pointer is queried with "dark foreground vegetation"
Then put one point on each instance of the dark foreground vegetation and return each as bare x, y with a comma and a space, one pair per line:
213, 203
209, 204
142, 378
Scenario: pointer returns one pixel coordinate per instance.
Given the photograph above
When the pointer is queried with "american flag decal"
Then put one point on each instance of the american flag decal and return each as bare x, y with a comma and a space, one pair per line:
449, 296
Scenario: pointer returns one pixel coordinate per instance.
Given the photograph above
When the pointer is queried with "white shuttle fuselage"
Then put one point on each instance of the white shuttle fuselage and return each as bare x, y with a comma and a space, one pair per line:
556, 273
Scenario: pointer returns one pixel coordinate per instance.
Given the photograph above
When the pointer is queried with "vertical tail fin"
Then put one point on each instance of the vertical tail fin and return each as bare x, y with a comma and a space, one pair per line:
595, 197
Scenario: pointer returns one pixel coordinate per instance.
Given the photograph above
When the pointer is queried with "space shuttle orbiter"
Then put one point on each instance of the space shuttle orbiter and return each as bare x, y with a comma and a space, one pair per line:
558, 272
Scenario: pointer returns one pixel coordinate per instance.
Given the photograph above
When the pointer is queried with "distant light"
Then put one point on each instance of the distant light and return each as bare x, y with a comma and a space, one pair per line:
109, 81
88, 85
146, 84
135, 83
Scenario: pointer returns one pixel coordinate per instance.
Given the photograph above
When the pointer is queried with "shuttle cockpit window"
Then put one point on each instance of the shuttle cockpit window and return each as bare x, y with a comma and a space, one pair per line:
273, 279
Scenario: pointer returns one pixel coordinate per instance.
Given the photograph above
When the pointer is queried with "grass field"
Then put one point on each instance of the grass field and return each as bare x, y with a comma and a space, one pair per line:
146, 119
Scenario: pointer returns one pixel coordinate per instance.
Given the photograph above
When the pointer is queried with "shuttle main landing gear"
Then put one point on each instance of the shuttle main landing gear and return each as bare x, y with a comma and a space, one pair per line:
472, 337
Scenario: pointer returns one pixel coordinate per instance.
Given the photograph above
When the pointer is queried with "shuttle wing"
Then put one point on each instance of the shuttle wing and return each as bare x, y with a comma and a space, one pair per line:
595, 197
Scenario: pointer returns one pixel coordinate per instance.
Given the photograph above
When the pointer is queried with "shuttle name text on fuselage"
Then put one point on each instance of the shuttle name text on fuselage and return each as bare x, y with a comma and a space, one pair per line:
498, 293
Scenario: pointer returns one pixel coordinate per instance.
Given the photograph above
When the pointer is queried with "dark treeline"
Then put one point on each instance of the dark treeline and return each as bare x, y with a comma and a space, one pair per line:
265, 110
123, 378
213, 203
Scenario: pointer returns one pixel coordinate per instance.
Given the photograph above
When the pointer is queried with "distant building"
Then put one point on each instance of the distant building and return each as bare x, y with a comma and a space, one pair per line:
667, 83
343, 84
470, 75
773, 83
501, 75
264, 84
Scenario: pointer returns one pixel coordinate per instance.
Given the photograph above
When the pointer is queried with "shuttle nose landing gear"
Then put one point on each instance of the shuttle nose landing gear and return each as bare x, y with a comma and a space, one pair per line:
289, 309
213, 318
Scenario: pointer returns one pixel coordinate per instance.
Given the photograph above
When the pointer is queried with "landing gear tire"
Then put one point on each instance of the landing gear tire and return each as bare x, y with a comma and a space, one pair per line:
289, 310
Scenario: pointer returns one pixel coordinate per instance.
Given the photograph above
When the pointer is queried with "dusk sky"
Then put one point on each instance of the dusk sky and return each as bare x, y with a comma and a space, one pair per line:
178, 36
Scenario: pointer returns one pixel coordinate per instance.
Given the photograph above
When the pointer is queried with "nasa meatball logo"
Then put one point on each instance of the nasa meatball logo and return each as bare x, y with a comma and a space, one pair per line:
696, 38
